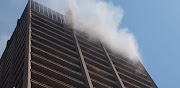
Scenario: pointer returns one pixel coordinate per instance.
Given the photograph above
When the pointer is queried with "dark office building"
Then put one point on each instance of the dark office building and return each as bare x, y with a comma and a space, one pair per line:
44, 53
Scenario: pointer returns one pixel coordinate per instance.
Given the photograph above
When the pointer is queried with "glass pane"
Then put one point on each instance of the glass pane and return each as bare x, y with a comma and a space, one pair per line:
41, 9
50, 13
45, 11
36, 7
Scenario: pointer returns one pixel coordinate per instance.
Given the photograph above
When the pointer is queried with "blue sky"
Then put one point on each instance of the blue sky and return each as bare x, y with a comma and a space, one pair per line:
155, 24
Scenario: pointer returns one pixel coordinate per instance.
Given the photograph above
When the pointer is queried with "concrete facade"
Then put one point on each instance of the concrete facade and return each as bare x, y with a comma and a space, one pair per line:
44, 53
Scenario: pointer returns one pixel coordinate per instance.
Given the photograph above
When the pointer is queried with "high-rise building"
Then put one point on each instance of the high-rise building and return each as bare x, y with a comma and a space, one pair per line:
43, 53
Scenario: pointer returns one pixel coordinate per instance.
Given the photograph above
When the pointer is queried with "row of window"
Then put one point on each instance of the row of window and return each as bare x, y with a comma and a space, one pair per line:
96, 61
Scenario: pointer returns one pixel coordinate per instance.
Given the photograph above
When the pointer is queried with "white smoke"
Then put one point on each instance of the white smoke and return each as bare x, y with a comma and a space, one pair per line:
101, 20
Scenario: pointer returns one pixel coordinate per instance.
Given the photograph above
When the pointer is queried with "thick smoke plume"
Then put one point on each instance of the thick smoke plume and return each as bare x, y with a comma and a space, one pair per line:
100, 20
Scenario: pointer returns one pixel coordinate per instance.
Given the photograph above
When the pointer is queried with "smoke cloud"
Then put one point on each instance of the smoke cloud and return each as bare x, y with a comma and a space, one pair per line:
100, 20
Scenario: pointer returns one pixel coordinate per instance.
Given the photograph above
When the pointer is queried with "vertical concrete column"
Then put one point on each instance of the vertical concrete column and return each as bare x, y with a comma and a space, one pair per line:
27, 61
83, 62
114, 69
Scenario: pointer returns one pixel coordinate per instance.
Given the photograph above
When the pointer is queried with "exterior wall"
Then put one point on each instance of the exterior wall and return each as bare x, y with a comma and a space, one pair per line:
43, 53
14, 55
54, 53
98, 65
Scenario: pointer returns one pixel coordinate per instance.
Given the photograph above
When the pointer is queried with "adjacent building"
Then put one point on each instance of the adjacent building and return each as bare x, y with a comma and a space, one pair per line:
44, 53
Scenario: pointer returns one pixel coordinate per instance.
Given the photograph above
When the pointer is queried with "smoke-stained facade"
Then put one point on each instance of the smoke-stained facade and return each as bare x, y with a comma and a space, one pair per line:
44, 53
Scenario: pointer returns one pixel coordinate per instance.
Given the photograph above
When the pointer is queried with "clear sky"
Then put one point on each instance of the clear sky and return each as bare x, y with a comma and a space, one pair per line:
155, 24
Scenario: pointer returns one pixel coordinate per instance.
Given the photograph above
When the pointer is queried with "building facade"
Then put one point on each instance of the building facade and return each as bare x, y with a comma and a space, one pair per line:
44, 53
